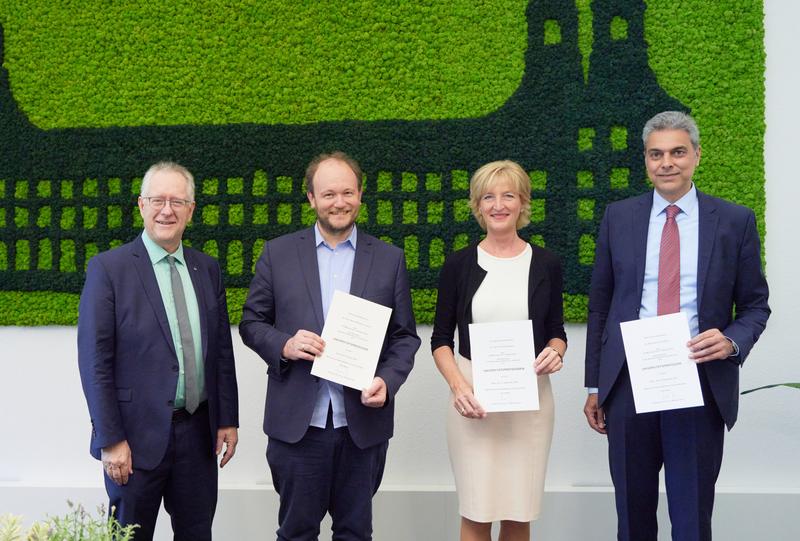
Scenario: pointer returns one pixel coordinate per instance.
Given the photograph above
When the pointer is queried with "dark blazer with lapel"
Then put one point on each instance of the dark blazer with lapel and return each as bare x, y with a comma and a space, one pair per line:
459, 280
127, 359
285, 296
731, 290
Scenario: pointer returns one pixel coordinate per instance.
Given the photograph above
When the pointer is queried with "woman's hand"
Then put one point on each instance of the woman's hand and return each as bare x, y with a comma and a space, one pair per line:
463, 399
549, 361
466, 404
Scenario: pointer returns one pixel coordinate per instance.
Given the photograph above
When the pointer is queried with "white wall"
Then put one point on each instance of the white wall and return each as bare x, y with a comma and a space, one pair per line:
44, 449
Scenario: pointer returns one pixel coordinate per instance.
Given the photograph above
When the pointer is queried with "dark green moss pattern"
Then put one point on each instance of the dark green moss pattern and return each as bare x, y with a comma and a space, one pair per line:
592, 73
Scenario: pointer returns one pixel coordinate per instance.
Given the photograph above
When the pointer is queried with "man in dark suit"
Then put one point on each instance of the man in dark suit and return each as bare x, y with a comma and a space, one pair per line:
157, 368
327, 444
669, 250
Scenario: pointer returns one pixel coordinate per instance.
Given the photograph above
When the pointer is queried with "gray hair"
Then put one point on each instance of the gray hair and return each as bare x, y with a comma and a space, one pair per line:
672, 120
167, 166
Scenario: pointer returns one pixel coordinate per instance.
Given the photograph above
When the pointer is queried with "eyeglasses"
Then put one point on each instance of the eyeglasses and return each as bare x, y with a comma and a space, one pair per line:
159, 202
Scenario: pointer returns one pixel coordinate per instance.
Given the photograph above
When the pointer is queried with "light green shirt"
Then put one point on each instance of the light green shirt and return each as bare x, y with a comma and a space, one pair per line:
158, 257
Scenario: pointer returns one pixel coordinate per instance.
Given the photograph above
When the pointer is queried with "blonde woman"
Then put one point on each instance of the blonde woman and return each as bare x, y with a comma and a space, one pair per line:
499, 460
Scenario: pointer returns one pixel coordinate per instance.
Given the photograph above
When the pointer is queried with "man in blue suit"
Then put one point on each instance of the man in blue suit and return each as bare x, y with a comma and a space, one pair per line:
672, 249
157, 368
327, 444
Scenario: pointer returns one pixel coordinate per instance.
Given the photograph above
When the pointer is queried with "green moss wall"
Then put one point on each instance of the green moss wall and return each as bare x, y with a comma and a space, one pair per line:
420, 93
188, 62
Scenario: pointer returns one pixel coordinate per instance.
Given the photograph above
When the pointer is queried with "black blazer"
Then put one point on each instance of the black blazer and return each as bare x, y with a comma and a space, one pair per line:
285, 296
459, 280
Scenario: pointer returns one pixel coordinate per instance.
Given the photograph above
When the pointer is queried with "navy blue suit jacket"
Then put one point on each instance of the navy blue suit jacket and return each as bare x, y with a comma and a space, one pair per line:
731, 290
126, 355
285, 296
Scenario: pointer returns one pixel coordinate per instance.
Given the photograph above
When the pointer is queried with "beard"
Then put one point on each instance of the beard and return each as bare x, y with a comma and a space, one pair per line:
339, 228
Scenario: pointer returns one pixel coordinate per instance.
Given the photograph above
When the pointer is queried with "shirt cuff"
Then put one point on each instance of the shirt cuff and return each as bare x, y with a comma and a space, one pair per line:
592, 390
734, 357
735, 348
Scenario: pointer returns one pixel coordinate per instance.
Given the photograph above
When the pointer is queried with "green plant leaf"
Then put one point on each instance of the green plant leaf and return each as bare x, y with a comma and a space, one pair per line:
795, 385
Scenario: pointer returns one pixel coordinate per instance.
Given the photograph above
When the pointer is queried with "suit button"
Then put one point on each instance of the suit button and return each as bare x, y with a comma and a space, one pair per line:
170, 403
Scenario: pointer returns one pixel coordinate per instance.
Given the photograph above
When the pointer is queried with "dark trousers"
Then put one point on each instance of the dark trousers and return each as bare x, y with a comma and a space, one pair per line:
186, 479
325, 472
687, 442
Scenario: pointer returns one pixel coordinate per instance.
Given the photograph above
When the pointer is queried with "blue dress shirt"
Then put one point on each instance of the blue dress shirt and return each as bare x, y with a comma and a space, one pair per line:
335, 272
689, 231
688, 220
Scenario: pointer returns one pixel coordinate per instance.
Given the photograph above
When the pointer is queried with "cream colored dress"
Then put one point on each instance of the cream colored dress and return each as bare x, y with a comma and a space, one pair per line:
499, 463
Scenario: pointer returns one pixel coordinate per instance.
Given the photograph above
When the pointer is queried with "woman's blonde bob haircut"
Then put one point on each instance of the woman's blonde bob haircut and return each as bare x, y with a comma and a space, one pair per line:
490, 174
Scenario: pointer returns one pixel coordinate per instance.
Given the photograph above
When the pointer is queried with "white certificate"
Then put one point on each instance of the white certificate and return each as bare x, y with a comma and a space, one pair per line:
503, 377
353, 335
663, 377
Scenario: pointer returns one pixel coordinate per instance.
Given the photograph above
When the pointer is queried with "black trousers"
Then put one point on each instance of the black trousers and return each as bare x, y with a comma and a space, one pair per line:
186, 479
325, 472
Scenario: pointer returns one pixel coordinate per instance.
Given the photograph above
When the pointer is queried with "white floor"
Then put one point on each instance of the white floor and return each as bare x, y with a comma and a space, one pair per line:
432, 515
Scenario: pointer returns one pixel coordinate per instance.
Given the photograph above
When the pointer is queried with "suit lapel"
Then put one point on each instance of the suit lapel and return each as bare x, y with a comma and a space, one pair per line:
361, 265
307, 252
707, 233
640, 224
474, 281
144, 268
199, 285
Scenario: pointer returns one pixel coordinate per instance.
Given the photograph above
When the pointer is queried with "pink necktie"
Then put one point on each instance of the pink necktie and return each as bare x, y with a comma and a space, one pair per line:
669, 265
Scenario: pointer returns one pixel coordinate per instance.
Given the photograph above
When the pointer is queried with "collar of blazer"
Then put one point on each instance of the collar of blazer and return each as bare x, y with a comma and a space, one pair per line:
536, 275
309, 267
707, 229
147, 278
